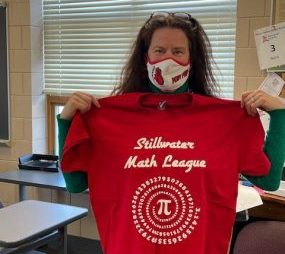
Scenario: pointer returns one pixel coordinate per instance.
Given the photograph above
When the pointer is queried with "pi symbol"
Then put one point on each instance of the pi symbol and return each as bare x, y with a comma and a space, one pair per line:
163, 206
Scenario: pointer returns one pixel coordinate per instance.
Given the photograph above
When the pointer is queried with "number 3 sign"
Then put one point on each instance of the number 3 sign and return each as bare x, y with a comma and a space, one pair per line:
270, 45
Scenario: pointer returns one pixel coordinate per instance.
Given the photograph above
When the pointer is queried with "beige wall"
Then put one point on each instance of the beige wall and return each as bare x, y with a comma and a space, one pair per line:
26, 101
28, 108
251, 15
28, 104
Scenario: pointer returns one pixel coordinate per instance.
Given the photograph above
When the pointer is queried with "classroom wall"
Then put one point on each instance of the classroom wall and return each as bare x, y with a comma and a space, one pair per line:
28, 112
28, 108
27, 103
251, 15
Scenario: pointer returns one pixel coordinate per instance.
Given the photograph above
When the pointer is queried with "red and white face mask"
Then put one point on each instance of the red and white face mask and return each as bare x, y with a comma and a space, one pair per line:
167, 75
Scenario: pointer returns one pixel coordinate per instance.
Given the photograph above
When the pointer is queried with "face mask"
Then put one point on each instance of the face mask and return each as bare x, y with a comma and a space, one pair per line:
168, 75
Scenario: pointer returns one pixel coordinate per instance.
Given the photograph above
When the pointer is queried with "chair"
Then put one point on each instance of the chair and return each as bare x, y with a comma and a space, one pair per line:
261, 237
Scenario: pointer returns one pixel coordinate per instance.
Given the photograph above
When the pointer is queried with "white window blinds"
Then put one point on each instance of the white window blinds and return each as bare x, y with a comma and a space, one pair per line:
86, 42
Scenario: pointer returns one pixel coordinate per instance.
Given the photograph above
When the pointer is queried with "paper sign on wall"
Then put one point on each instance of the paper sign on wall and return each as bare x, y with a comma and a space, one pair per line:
270, 43
272, 84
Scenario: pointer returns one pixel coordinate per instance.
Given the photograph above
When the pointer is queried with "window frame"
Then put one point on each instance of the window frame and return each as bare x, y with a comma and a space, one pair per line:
52, 102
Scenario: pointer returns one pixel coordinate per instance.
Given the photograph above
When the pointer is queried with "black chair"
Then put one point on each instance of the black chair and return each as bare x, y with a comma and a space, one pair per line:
261, 237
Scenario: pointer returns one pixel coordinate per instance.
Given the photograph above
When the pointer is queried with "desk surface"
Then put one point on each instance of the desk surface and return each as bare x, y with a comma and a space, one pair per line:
52, 180
30, 219
273, 198
273, 208
247, 198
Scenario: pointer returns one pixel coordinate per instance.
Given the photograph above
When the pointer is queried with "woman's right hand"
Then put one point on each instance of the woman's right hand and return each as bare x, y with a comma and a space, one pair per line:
78, 101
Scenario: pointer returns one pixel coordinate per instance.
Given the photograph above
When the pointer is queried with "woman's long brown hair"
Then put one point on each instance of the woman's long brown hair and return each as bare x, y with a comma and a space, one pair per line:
134, 76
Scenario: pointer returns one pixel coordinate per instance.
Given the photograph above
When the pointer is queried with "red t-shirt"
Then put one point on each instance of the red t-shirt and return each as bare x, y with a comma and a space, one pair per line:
163, 170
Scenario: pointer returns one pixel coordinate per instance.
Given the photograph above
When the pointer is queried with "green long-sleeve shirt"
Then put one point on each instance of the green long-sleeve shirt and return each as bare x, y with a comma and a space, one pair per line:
75, 181
274, 148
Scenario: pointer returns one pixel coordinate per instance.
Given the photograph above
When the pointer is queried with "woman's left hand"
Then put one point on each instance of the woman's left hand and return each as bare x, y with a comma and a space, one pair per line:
258, 99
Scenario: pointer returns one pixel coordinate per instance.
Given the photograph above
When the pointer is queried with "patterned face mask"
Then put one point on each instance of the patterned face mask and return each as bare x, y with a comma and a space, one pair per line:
168, 75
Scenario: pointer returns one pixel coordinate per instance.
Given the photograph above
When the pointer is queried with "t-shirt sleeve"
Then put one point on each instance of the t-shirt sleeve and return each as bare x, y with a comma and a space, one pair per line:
252, 159
77, 146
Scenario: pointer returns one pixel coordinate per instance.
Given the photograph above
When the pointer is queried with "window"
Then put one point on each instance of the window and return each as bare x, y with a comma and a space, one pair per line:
87, 41
55, 106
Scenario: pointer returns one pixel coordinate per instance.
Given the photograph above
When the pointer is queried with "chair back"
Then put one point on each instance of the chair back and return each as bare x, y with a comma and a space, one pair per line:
261, 237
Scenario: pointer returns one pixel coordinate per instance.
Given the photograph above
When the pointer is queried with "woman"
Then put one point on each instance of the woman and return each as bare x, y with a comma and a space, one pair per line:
178, 41
172, 54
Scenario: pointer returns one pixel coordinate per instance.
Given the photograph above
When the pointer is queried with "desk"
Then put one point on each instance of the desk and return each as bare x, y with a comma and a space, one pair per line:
36, 178
29, 224
54, 180
273, 208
